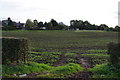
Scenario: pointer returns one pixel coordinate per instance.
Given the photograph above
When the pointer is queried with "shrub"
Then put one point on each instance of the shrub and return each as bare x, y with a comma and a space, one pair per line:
105, 71
14, 50
9, 28
114, 51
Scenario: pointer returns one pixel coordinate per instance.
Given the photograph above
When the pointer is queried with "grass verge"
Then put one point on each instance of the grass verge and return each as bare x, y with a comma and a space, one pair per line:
105, 71
10, 70
62, 71
48, 71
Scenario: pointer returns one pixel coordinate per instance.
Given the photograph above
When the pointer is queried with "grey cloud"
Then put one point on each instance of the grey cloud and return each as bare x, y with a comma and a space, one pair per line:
5, 5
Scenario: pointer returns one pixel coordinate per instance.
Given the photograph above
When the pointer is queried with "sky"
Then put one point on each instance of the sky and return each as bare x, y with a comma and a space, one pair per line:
95, 11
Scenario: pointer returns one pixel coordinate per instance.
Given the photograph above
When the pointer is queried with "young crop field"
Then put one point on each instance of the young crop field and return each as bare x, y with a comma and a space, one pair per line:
65, 41
65, 53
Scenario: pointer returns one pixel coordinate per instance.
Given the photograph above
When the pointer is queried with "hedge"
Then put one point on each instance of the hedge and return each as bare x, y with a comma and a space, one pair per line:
14, 50
114, 51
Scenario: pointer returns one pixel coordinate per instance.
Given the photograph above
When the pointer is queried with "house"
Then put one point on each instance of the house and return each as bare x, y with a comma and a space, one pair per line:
20, 25
4, 22
17, 24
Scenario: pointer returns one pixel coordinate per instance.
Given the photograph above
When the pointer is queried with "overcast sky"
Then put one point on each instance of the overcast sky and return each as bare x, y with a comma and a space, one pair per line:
95, 11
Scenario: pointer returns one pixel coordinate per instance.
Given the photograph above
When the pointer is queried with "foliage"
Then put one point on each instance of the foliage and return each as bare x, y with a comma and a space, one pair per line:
9, 28
29, 24
44, 57
24, 68
14, 50
40, 24
62, 71
48, 71
94, 51
71, 57
117, 28
96, 58
114, 51
98, 55
71, 60
105, 71
82, 25
67, 69
70, 54
50, 45
54, 23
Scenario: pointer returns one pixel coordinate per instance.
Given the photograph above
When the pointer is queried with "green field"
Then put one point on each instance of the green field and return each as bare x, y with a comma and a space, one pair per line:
59, 49
65, 41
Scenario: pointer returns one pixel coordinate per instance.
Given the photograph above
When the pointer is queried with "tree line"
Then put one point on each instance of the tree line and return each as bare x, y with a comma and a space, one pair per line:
85, 25
54, 25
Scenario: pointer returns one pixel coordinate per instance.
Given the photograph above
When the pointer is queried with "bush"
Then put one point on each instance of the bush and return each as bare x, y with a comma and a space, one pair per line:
114, 51
105, 71
9, 28
14, 50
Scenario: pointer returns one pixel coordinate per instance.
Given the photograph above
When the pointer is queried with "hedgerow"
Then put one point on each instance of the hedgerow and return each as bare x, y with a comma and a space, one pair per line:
14, 50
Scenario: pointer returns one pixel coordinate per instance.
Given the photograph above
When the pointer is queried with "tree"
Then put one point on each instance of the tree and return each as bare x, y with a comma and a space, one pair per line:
29, 24
35, 23
54, 23
117, 28
40, 24
75, 24
81, 24
48, 25
61, 26
87, 25
104, 27
72, 24
111, 29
